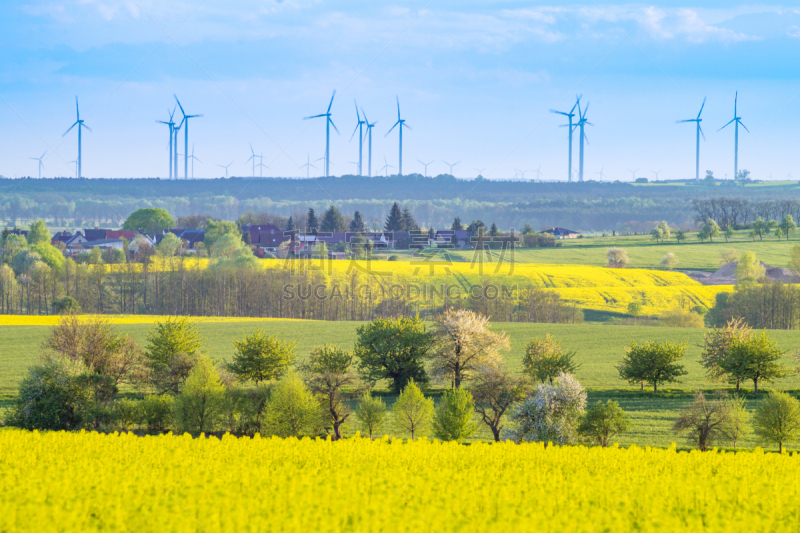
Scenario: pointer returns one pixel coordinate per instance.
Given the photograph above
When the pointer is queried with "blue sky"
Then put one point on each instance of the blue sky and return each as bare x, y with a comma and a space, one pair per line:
475, 81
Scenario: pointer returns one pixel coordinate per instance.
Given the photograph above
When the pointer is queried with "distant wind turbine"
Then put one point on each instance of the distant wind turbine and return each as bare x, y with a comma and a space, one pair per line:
600, 174
738, 120
76, 167
185, 138
226, 168
656, 173
41, 164
80, 125
175, 131
582, 123
328, 124
360, 128
571, 126
451, 166
402, 123
369, 134
634, 173
253, 158
171, 124
386, 166
193, 158
698, 120
308, 166
521, 172
480, 170
261, 166
426, 166
538, 172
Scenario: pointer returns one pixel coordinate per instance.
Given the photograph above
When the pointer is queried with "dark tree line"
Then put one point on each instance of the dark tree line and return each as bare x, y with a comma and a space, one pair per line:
739, 212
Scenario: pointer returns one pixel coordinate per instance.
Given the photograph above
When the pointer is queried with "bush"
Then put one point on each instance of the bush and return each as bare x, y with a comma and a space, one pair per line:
260, 357
127, 414
550, 414
393, 258
680, 318
66, 304
171, 350
705, 421
545, 360
199, 406
371, 414
602, 422
453, 419
292, 410
157, 412
412, 411
617, 258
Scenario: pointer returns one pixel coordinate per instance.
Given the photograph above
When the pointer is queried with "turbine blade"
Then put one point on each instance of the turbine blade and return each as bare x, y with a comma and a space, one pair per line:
334, 126
560, 113
43, 155
332, 97
745, 127
701, 108
726, 125
179, 105
393, 127
406, 125
682, 121
398, 108
85, 126
701, 132
70, 128
77, 109
355, 129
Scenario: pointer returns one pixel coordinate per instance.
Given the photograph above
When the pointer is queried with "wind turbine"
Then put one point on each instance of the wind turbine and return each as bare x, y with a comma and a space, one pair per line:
738, 120
360, 128
226, 168
402, 123
80, 125
171, 125
386, 166
41, 164
369, 132
328, 124
426, 166
582, 123
538, 172
656, 173
261, 166
480, 170
634, 173
698, 120
451, 166
76, 167
176, 129
570, 116
253, 158
193, 158
522, 172
308, 166
601, 174
185, 138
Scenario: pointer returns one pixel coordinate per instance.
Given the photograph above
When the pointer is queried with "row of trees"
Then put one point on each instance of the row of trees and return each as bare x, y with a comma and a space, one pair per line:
741, 212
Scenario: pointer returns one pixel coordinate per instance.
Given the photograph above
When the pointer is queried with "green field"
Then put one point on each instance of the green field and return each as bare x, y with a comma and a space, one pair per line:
598, 347
645, 253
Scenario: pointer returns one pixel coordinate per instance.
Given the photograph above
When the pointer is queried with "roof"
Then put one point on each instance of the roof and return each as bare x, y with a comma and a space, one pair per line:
95, 234
121, 234
560, 231
103, 242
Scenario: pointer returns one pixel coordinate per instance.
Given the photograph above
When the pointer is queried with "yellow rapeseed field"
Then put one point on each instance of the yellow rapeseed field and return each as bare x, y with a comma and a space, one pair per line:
93, 482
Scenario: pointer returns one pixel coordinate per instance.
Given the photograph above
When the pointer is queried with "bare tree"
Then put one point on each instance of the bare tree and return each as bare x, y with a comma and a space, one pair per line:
705, 421
494, 392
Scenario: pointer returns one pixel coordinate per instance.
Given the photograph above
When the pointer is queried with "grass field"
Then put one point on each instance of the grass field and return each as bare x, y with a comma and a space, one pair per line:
598, 348
645, 253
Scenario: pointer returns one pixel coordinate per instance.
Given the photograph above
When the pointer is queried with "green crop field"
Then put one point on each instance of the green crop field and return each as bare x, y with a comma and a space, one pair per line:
598, 348
646, 253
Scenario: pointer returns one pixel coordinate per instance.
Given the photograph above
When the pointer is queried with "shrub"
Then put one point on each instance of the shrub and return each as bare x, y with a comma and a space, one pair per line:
292, 410
66, 304
259, 357
705, 421
681, 318
617, 258
127, 413
453, 418
157, 411
412, 411
171, 350
602, 422
669, 261
545, 360
749, 268
199, 406
371, 414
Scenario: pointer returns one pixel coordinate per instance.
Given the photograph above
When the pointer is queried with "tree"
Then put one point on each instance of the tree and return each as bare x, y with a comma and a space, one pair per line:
749, 268
794, 263
457, 224
527, 229
494, 391
171, 351
215, 229
760, 227
260, 357
370, 413
329, 370
290, 224
709, 230
409, 224
312, 224
652, 363
680, 236
463, 342
662, 231
728, 232
777, 419
66, 305
453, 418
332, 220
681, 318
394, 222
669, 261
635, 310
617, 258
38, 233
230, 251
199, 406
705, 421
729, 256
550, 414
738, 424
412, 412
357, 224
717, 343
753, 357
393, 349
151, 220
292, 410
545, 360
493, 231
169, 245
602, 422
787, 225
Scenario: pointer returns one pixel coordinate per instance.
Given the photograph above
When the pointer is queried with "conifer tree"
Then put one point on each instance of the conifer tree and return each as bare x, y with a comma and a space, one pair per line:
312, 225
332, 220
394, 222
357, 224
409, 223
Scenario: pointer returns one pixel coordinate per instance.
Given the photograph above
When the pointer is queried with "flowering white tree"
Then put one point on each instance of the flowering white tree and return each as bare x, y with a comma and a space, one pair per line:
463, 343
550, 414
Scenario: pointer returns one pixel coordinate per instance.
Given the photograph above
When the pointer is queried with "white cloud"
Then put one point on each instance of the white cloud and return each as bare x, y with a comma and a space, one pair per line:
794, 32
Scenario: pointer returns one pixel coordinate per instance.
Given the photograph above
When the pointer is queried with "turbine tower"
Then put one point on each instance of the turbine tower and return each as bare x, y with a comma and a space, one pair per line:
193, 158
451, 166
41, 164
698, 120
308, 166
570, 116
386, 166
426, 166
80, 125
521, 172
369, 133
634, 173
360, 128
171, 125
601, 174
738, 120
226, 168
402, 123
582, 123
185, 122
538, 172
176, 129
261, 166
76, 167
253, 158
328, 124
480, 170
